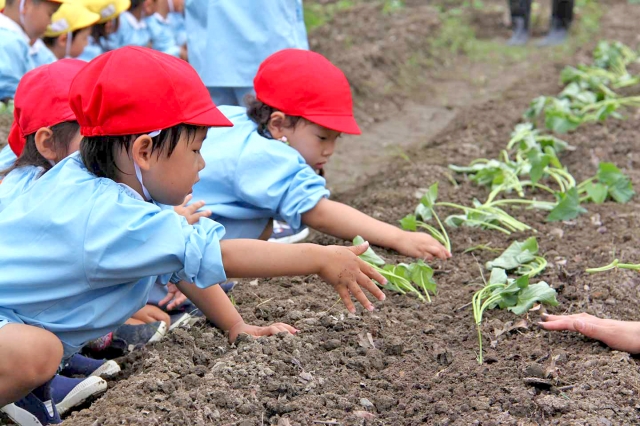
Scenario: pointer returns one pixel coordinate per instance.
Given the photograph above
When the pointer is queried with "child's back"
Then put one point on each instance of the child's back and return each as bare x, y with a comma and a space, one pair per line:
15, 59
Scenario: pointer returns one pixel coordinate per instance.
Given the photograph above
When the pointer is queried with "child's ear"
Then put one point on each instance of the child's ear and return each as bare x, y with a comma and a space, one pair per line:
45, 144
276, 124
141, 151
62, 40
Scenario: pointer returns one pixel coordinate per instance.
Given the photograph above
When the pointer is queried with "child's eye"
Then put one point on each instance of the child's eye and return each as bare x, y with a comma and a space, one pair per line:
322, 138
197, 151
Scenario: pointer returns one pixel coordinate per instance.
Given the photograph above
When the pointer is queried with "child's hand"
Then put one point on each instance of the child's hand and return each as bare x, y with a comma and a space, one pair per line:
253, 330
174, 296
191, 212
150, 314
421, 246
346, 272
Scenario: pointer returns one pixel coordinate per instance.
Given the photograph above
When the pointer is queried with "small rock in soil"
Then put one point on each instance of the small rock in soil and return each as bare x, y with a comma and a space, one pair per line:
332, 344
534, 370
552, 405
366, 403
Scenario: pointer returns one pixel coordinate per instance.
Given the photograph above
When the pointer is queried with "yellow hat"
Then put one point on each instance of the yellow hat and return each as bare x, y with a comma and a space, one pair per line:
1, 4
71, 16
107, 9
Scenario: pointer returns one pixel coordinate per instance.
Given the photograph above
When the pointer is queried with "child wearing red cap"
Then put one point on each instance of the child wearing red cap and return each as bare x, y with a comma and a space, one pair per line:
97, 241
267, 165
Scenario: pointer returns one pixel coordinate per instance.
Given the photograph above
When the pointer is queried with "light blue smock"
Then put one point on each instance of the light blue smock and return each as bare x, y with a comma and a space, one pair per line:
162, 36
17, 182
7, 158
249, 179
131, 32
228, 40
176, 21
79, 254
41, 54
15, 57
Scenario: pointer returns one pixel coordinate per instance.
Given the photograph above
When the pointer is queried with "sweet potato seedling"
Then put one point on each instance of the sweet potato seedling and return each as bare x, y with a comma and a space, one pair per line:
614, 265
424, 212
521, 257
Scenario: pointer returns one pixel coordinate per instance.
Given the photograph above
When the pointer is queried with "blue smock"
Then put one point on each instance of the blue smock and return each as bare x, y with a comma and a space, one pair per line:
79, 254
131, 32
162, 36
17, 182
15, 56
7, 158
228, 40
176, 21
249, 179
41, 54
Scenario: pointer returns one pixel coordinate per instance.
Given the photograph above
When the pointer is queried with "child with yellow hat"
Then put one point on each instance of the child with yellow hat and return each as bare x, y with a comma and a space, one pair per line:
69, 32
22, 23
101, 38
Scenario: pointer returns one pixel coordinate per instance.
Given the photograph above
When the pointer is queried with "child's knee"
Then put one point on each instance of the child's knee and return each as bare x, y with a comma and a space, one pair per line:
33, 353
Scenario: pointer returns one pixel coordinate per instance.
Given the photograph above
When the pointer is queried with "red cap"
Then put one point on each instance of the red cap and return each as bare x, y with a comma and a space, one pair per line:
42, 100
135, 90
305, 84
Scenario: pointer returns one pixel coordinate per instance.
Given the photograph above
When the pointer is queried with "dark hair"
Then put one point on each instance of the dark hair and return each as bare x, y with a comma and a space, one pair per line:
136, 3
99, 152
62, 135
99, 33
51, 41
260, 113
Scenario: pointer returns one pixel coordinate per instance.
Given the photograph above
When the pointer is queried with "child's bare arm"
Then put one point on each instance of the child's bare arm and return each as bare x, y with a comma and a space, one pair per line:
339, 266
342, 221
216, 306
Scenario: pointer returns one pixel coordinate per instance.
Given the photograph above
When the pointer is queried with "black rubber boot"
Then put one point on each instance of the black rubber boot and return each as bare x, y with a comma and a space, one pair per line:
561, 18
520, 17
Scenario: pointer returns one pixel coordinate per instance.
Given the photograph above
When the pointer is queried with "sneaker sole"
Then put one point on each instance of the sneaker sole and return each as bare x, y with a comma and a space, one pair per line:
295, 238
89, 387
161, 331
19, 416
109, 368
184, 320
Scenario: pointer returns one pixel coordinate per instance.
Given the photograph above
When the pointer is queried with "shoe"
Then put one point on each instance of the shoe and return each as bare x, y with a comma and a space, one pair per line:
79, 365
520, 35
68, 393
558, 34
282, 233
35, 409
179, 319
228, 285
126, 338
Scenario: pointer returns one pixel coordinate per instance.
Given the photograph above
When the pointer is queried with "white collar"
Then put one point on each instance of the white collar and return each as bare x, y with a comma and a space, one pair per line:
130, 191
161, 18
138, 25
9, 24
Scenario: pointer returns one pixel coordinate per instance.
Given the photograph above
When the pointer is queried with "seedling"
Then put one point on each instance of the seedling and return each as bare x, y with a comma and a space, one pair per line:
424, 212
416, 278
521, 257
515, 295
614, 265
609, 182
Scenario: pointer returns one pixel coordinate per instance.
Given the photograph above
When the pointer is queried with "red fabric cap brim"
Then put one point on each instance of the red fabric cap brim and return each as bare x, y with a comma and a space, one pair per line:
210, 118
16, 141
340, 123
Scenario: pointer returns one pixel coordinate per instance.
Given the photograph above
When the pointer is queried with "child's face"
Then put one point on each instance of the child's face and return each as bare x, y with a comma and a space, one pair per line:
79, 42
315, 143
37, 17
178, 5
170, 179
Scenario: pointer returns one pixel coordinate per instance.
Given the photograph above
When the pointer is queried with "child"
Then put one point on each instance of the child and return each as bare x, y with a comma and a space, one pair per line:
163, 38
69, 32
267, 165
229, 39
176, 20
21, 22
132, 27
102, 33
143, 134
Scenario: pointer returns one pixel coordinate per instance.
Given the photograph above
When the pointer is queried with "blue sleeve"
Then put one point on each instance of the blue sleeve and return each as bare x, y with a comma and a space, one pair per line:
15, 62
162, 38
277, 178
125, 241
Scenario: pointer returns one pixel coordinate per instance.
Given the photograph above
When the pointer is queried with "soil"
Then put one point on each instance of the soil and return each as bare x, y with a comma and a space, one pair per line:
408, 362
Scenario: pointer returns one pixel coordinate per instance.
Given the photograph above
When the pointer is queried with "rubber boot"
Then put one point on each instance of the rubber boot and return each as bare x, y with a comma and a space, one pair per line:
520, 17
561, 18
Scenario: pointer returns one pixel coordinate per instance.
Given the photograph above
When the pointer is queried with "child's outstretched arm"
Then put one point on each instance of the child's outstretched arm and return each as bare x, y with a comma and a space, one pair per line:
339, 266
216, 306
342, 221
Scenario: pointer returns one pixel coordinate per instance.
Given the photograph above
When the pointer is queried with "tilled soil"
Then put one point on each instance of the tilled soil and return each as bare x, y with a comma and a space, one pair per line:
413, 363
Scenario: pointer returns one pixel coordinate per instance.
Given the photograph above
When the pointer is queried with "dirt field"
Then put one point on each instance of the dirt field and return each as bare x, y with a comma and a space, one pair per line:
412, 363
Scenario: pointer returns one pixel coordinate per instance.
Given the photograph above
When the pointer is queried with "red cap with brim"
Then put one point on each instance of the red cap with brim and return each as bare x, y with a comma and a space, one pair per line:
135, 90
339, 123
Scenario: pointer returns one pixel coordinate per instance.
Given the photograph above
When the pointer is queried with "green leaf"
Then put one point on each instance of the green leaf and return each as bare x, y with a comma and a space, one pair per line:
536, 107
597, 192
518, 253
540, 292
619, 185
368, 256
498, 276
408, 223
430, 197
423, 212
568, 208
422, 275
561, 122
538, 162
